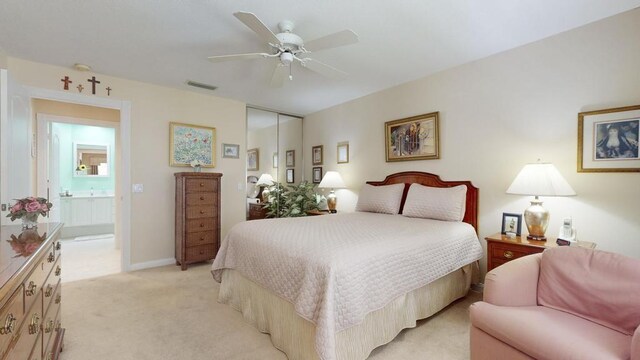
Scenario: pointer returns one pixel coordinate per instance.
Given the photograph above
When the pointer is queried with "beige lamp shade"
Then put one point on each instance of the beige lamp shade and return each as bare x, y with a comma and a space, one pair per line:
332, 180
539, 179
265, 180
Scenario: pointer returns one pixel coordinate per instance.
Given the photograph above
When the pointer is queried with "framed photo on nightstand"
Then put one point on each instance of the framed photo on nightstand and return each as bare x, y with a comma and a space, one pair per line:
511, 223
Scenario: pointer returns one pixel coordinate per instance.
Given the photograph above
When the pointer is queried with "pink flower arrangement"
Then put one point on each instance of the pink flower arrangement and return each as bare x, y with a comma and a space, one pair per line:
29, 208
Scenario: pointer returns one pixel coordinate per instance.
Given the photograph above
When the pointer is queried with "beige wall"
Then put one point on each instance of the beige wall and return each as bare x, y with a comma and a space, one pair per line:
499, 113
152, 108
74, 110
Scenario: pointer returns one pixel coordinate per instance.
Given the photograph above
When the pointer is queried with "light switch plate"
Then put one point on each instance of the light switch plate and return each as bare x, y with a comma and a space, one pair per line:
138, 188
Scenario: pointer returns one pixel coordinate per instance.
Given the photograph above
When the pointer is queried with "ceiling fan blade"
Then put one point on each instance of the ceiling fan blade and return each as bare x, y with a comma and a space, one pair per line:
323, 69
279, 74
257, 26
221, 58
341, 38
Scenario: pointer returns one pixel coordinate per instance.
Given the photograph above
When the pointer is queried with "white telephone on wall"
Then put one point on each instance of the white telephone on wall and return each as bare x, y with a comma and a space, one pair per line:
567, 234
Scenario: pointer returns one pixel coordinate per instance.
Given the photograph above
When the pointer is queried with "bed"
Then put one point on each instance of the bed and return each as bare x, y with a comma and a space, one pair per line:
338, 286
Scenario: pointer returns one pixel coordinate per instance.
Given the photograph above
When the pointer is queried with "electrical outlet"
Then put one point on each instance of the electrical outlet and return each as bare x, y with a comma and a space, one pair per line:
4, 207
138, 188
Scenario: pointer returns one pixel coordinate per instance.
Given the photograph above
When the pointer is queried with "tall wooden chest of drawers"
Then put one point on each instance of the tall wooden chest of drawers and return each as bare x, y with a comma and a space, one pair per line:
197, 217
30, 296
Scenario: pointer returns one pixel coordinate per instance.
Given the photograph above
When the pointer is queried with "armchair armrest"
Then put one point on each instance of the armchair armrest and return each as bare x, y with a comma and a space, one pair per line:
514, 283
635, 345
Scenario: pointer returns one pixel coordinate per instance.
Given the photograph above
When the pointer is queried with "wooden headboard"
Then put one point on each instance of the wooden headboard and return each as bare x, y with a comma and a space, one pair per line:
427, 179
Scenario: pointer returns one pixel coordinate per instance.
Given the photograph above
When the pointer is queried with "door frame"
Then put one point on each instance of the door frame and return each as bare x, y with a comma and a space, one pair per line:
123, 181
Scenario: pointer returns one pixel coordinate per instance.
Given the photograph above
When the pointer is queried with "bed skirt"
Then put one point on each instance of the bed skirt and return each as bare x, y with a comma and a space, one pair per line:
271, 314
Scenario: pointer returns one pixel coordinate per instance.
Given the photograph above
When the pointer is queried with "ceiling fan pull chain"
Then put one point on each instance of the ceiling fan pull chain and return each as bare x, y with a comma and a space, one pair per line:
290, 70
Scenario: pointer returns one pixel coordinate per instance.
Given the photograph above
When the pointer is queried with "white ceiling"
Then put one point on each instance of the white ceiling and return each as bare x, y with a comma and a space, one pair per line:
167, 42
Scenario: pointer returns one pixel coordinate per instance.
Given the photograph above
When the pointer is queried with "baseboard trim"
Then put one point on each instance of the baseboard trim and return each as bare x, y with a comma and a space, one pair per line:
151, 264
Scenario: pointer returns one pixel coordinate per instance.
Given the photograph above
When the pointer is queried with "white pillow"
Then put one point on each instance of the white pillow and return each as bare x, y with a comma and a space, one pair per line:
384, 199
428, 202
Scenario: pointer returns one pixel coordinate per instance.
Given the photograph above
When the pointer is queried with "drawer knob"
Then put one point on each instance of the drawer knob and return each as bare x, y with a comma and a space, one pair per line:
31, 289
201, 252
49, 291
50, 258
201, 184
49, 327
201, 225
201, 212
9, 325
58, 245
201, 197
58, 270
34, 326
508, 254
58, 298
201, 238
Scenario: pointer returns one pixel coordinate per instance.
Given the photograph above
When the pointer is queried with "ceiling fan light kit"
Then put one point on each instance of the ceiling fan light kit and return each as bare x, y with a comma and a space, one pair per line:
289, 48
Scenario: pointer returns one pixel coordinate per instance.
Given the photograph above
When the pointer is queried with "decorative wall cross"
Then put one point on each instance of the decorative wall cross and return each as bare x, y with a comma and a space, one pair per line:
93, 82
108, 91
80, 88
66, 82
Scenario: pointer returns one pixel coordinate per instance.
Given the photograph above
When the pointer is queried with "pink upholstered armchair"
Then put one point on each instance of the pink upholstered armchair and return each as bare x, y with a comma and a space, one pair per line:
565, 303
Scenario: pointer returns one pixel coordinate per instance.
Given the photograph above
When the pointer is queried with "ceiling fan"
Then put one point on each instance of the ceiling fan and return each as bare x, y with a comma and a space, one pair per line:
288, 48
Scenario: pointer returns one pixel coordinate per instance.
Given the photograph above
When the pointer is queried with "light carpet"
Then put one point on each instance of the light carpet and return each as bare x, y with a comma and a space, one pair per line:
86, 257
165, 313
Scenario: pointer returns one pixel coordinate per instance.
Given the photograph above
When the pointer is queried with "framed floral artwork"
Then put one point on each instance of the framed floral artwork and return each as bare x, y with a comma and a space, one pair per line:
608, 140
189, 143
412, 138
253, 159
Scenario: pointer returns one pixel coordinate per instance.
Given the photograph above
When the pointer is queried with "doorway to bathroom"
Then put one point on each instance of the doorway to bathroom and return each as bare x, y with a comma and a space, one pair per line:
78, 151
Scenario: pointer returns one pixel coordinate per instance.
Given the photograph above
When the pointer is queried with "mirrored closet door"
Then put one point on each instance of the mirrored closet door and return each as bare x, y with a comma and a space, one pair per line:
274, 156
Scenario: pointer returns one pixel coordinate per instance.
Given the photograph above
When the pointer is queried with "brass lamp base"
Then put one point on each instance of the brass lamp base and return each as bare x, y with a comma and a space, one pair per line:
332, 201
537, 219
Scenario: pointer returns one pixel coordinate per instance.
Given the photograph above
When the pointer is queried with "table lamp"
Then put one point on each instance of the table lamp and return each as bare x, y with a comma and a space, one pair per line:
332, 180
264, 182
539, 179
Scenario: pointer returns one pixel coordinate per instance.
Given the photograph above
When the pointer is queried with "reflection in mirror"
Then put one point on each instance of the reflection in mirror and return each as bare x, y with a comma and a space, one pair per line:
90, 160
276, 140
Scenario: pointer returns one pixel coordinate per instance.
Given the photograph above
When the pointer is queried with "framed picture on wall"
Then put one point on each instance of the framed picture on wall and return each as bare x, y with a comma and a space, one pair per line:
412, 138
511, 223
316, 155
190, 143
317, 175
291, 158
231, 151
343, 152
290, 176
253, 159
608, 140
275, 160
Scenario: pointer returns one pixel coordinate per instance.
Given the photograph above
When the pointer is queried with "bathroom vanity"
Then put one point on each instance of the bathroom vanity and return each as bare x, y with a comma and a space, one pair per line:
87, 215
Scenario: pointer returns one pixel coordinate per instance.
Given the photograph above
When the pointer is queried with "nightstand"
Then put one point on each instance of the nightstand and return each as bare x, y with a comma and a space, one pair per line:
501, 249
256, 212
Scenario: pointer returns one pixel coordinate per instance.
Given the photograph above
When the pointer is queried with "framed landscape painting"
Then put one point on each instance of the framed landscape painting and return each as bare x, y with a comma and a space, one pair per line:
190, 143
231, 151
608, 140
413, 138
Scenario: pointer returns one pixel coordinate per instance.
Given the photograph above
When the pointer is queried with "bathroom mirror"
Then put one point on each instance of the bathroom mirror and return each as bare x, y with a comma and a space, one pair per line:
91, 159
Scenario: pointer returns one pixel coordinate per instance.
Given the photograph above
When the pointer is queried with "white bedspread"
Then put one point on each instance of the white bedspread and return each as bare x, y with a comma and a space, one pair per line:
335, 269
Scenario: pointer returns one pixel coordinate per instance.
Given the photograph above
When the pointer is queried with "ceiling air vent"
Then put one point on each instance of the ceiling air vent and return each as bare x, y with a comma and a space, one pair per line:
201, 85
